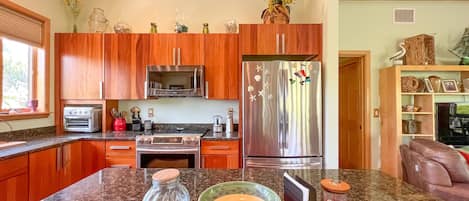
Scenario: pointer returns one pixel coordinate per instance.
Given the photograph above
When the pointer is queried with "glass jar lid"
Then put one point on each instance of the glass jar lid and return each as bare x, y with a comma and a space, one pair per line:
166, 176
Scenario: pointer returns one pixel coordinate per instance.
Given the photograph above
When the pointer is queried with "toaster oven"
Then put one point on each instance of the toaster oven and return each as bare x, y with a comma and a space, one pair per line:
82, 119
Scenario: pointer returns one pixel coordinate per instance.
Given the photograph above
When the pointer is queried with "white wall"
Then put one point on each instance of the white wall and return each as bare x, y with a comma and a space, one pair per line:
54, 10
366, 25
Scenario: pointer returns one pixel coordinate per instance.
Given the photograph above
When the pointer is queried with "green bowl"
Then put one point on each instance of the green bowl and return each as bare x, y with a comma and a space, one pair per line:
238, 187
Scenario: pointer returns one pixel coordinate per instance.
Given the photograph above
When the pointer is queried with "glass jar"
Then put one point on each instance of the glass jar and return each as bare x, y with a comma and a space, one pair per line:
166, 187
205, 28
97, 22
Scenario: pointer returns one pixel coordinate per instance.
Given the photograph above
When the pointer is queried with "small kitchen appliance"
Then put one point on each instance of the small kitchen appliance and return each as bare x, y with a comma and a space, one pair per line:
175, 81
85, 119
217, 126
136, 119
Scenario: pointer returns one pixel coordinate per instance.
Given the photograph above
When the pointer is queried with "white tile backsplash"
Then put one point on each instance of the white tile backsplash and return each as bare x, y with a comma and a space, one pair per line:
181, 110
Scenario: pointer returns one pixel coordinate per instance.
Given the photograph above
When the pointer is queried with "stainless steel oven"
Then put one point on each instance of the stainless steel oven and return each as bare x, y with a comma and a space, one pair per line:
174, 81
168, 151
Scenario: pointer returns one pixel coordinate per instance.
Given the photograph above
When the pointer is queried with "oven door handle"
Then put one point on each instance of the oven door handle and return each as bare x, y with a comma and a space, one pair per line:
166, 150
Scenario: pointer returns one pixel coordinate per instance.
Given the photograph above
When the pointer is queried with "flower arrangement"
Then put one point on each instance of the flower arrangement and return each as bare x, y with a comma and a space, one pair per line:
285, 3
75, 7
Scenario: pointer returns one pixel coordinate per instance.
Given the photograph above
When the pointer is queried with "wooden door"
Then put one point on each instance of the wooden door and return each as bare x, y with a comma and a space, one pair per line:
301, 39
71, 170
190, 49
125, 61
14, 179
93, 155
79, 59
43, 174
222, 66
351, 116
229, 161
163, 49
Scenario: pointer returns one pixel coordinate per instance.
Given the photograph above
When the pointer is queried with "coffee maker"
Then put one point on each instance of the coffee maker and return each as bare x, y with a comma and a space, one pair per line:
136, 119
452, 121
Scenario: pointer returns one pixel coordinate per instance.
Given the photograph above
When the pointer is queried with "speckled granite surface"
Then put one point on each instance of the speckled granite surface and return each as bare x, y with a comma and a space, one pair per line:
132, 184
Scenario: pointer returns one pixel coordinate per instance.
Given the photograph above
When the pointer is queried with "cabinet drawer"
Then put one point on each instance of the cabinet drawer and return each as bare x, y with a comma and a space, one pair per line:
14, 166
220, 147
123, 162
120, 148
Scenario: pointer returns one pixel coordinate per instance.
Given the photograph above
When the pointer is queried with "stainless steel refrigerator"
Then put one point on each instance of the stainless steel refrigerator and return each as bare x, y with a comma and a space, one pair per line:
282, 114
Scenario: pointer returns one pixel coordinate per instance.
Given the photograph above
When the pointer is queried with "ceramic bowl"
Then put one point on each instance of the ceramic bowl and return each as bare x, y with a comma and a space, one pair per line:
238, 187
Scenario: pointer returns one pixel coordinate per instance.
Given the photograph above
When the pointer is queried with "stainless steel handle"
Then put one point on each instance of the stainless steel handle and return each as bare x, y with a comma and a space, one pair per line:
219, 148
101, 95
285, 166
145, 90
179, 56
195, 80
166, 150
174, 56
277, 43
119, 147
283, 43
59, 159
120, 166
206, 89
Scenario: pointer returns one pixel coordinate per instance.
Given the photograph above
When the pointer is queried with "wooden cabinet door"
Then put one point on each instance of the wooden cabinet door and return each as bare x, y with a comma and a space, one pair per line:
163, 49
125, 60
222, 66
71, 170
43, 174
220, 161
190, 49
93, 156
14, 179
79, 59
301, 39
120, 154
15, 188
259, 39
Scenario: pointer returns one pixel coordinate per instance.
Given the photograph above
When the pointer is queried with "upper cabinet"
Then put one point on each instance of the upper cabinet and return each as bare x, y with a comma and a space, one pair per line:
281, 39
79, 60
125, 59
222, 66
177, 49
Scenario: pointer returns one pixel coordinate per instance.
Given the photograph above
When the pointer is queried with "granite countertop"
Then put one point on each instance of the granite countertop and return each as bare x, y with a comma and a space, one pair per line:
45, 141
221, 136
132, 184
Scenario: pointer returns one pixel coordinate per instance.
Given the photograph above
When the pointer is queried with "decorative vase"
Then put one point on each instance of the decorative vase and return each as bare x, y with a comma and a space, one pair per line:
97, 22
436, 83
277, 13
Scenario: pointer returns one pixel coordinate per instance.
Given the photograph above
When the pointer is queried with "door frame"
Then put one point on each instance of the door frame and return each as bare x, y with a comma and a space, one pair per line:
364, 56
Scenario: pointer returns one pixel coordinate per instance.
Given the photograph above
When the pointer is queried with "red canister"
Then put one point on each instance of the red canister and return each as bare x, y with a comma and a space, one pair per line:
119, 124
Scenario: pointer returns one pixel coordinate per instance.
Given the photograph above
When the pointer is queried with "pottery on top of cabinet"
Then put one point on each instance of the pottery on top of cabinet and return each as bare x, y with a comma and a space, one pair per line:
97, 22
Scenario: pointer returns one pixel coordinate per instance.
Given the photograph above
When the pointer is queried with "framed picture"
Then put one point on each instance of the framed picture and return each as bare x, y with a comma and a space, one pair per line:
428, 86
450, 86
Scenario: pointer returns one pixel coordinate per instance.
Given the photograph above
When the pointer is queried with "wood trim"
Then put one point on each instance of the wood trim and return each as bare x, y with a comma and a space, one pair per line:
365, 58
433, 68
22, 116
1, 72
34, 73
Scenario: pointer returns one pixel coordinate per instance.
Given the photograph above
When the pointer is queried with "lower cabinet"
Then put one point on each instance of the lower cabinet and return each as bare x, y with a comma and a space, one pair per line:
220, 154
53, 169
120, 154
93, 155
14, 179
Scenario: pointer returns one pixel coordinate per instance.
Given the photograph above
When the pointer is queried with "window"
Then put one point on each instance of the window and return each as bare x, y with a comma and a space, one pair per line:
24, 63
17, 75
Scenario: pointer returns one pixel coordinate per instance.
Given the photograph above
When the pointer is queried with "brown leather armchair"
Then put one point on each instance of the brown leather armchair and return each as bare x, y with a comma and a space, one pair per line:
436, 168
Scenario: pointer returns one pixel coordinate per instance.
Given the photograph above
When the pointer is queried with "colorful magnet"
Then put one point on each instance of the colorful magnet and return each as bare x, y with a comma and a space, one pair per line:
257, 78
292, 81
253, 98
261, 93
259, 68
302, 82
308, 79
303, 72
250, 88
297, 74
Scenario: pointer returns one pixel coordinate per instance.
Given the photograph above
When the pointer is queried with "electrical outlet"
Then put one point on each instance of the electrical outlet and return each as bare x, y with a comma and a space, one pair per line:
376, 113
151, 113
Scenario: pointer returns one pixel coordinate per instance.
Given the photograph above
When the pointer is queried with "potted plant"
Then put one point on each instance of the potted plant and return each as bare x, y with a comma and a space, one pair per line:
278, 12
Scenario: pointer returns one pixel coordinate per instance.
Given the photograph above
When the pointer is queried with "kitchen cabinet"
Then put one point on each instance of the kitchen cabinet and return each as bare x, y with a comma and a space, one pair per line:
93, 156
71, 169
14, 179
43, 174
125, 59
222, 66
79, 61
177, 49
220, 154
281, 39
120, 154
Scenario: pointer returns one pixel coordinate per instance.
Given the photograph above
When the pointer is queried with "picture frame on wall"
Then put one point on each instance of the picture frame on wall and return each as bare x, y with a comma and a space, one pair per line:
450, 86
428, 86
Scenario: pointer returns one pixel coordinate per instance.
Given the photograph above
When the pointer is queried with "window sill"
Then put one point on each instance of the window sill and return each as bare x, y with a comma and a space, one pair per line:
21, 116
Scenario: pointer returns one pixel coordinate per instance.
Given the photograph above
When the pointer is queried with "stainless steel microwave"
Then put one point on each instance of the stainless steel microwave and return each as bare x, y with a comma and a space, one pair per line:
174, 81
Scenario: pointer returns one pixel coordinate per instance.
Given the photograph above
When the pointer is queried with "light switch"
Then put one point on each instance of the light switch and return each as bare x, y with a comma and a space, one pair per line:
151, 113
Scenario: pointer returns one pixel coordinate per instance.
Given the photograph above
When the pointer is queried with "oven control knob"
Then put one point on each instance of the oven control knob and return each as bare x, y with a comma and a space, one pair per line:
147, 140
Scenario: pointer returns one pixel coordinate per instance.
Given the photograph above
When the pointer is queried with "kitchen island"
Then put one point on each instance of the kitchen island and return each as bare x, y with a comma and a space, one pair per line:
132, 184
